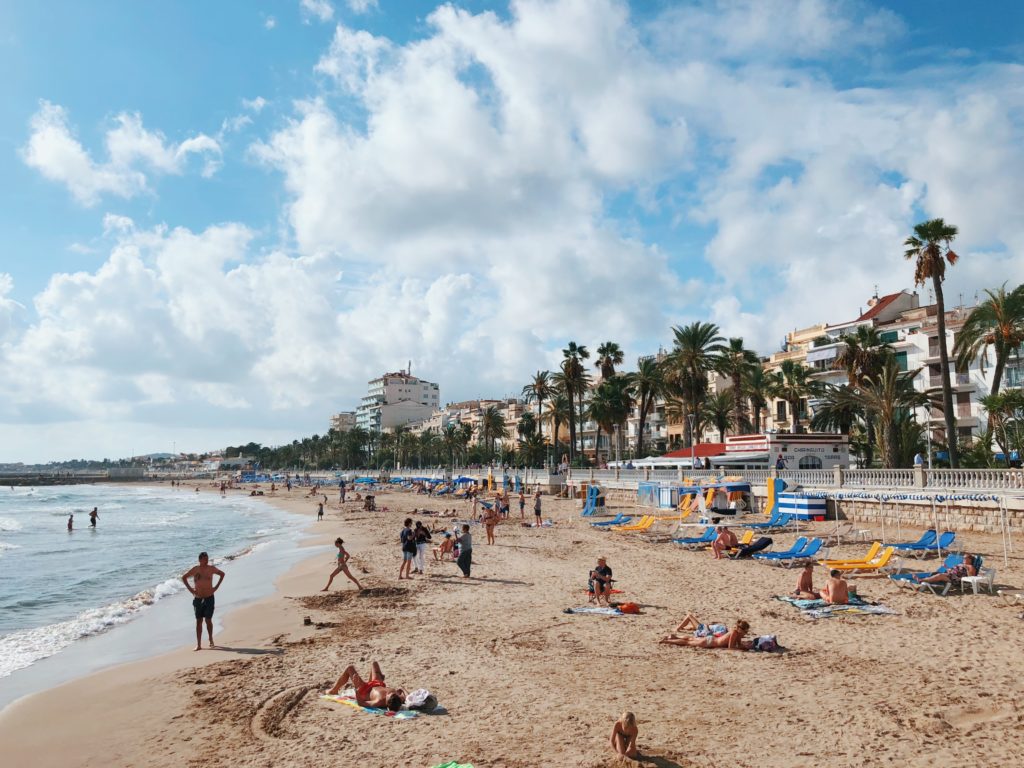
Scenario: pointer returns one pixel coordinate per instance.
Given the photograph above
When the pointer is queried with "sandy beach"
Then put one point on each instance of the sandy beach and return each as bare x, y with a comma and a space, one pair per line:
522, 683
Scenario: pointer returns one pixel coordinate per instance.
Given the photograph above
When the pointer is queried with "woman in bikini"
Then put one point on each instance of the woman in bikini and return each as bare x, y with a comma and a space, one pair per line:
731, 640
342, 566
624, 734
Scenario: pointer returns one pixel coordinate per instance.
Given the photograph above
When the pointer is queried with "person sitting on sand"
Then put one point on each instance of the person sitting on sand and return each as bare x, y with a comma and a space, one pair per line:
954, 574
446, 548
342, 566
372, 692
731, 640
725, 540
624, 734
805, 584
836, 591
601, 581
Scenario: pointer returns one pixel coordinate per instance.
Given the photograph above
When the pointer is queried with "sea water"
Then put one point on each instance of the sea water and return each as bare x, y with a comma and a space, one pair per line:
59, 587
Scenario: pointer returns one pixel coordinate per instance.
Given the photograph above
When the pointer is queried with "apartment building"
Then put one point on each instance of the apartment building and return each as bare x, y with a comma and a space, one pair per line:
344, 421
396, 399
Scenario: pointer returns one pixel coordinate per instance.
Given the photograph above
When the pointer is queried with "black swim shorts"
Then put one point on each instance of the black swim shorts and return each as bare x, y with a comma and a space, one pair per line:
203, 607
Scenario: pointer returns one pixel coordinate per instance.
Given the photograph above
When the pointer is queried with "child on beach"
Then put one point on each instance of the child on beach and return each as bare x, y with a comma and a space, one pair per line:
320, 512
342, 566
624, 734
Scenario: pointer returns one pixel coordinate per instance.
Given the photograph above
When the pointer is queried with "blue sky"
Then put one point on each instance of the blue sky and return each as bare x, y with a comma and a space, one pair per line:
222, 218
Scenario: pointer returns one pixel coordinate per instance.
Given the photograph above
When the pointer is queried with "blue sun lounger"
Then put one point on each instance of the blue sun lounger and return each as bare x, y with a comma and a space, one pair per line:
950, 561
920, 550
927, 540
619, 519
705, 538
807, 553
797, 546
770, 523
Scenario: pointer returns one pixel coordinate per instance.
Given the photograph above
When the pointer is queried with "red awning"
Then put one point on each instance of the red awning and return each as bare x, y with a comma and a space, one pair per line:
704, 450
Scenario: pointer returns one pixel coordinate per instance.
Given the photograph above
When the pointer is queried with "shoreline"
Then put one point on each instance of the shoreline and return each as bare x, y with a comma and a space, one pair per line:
129, 643
524, 684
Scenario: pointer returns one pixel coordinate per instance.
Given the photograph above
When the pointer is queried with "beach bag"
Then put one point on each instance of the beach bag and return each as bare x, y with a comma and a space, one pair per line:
629, 607
421, 699
766, 643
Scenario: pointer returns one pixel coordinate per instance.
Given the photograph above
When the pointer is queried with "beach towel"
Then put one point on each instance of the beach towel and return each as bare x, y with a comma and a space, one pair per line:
595, 609
348, 698
819, 609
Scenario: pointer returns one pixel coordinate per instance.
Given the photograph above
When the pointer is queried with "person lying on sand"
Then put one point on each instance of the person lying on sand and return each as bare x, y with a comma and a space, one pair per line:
624, 734
805, 584
836, 591
372, 692
731, 640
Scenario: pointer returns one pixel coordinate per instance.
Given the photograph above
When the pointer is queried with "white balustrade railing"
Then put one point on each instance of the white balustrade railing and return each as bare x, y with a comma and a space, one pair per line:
879, 478
975, 479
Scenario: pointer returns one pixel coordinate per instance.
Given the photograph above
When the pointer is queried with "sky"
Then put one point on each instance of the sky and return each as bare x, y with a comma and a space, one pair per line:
220, 218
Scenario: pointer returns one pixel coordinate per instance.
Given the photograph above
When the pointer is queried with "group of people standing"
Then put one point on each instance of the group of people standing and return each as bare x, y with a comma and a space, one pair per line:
416, 540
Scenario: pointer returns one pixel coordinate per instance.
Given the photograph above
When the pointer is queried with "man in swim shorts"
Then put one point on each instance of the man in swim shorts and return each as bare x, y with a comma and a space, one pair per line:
202, 576
372, 692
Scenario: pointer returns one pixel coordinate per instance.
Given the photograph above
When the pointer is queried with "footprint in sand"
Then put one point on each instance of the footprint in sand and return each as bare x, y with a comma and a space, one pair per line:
965, 718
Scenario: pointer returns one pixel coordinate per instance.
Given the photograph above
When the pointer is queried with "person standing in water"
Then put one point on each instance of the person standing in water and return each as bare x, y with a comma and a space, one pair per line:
202, 576
71, 522
94, 516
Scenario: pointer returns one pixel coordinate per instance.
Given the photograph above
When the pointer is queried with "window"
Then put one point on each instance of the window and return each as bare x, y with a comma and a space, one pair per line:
889, 337
810, 462
901, 360
780, 410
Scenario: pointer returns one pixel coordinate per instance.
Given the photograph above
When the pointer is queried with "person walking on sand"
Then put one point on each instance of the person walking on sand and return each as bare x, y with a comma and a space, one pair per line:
341, 490
342, 566
408, 540
624, 734
465, 542
320, 511
491, 518
202, 594
94, 516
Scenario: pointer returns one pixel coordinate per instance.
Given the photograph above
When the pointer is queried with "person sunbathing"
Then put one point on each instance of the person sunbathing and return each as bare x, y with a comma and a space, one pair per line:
726, 540
372, 692
624, 734
805, 584
836, 591
447, 548
731, 640
954, 574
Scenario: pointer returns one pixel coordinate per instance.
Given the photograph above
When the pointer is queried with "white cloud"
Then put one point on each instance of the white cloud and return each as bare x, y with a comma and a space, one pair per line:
9, 308
254, 105
270, 22
361, 6
53, 150
319, 9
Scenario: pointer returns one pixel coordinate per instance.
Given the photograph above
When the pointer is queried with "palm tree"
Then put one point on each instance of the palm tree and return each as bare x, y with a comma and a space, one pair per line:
540, 389
757, 385
734, 361
929, 246
572, 379
609, 355
492, 423
645, 387
719, 409
694, 354
835, 411
862, 354
599, 410
451, 439
559, 412
793, 383
886, 395
1006, 415
997, 322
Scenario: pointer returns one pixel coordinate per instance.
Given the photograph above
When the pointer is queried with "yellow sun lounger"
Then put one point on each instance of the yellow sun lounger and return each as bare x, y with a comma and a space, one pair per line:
643, 524
686, 503
872, 553
876, 564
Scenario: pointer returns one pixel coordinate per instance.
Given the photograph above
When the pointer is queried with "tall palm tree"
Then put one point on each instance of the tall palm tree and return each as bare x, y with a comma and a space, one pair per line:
734, 361
609, 355
998, 322
793, 383
600, 411
559, 412
451, 441
645, 387
573, 377
720, 410
539, 389
694, 354
757, 386
835, 411
886, 395
492, 423
929, 246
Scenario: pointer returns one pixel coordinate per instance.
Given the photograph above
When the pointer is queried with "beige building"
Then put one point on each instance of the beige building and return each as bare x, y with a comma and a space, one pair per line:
395, 399
344, 421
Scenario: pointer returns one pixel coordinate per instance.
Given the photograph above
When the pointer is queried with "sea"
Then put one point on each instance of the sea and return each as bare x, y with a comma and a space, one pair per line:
94, 596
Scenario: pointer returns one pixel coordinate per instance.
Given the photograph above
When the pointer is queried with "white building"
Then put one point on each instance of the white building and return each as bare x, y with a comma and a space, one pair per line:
396, 399
344, 421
